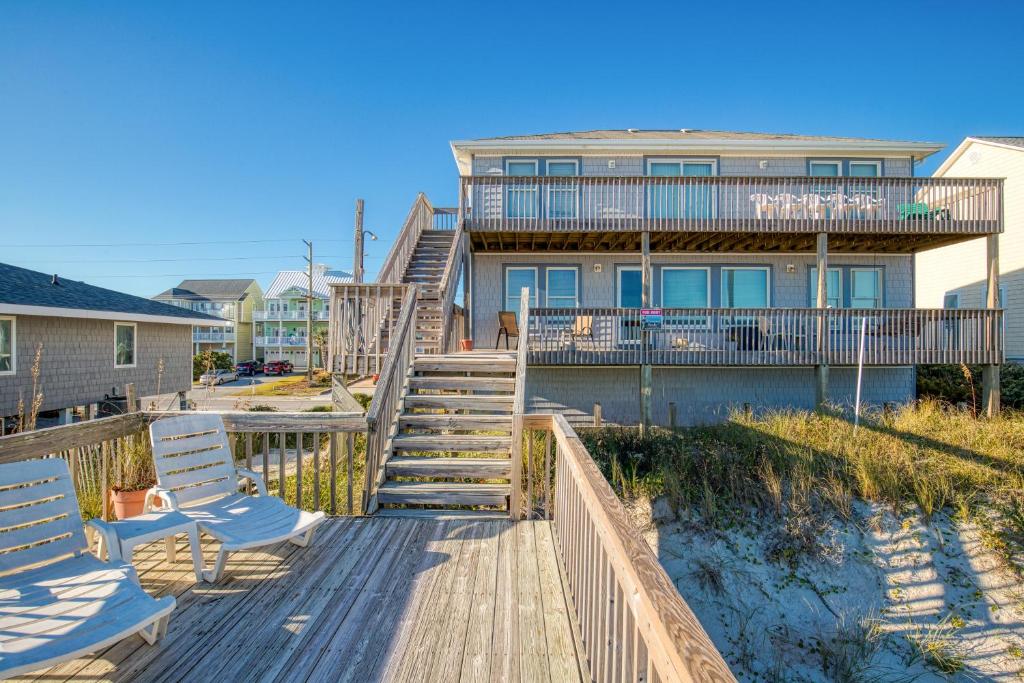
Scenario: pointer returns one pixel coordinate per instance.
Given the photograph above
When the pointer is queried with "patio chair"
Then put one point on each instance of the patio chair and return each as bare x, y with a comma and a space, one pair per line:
764, 205
196, 475
57, 600
814, 206
507, 325
789, 205
770, 338
582, 328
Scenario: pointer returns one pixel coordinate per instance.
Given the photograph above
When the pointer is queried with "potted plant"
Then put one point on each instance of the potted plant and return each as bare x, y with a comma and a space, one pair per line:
466, 344
133, 478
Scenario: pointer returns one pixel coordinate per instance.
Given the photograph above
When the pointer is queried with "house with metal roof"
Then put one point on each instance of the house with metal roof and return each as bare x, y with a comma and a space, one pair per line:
281, 324
84, 343
232, 300
955, 277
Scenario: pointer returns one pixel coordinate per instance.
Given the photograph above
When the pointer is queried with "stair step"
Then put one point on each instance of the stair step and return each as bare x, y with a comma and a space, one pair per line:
496, 403
443, 515
482, 423
441, 493
468, 363
452, 468
475, 383
451, 443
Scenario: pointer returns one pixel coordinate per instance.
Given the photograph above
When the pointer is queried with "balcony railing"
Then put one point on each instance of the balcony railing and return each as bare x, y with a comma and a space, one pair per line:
281, 341
764, 336
208, 337
733, 203
287, 315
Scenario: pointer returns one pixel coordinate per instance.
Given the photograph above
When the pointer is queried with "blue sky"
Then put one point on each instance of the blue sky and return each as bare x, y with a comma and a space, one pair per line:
133, 124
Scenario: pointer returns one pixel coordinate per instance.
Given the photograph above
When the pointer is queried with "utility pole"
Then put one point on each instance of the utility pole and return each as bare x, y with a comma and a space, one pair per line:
309, 311
357, 260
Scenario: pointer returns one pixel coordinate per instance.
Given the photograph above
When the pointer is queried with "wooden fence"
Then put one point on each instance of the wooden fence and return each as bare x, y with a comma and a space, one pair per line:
363, 318
634, 624
764, 336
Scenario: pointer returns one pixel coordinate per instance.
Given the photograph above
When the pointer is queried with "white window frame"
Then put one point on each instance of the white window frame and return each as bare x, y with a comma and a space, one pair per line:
536, 286
838, 163
14, 345
767, 281
618, 283
568, 191
880, 281
135, 345
814, 281
876, 164
576, 285
528, 194
535, 162
681, 161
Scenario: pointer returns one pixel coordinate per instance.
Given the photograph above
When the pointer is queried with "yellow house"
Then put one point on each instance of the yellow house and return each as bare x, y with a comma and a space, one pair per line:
954, 276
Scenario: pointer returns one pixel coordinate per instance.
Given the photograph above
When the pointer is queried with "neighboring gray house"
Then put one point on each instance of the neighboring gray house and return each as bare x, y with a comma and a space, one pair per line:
93, 341
760, 259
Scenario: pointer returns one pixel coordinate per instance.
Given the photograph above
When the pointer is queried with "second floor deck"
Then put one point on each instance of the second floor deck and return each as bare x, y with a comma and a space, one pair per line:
924, 212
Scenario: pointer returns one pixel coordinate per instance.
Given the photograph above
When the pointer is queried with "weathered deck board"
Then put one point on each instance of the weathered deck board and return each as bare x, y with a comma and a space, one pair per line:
370, 599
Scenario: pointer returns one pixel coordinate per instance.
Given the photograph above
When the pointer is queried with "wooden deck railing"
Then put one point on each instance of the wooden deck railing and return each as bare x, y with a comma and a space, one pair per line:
419, 218
519, 410
884, 205
634, 624
447, 289
363, 317
387, 398
312, 460
764, 336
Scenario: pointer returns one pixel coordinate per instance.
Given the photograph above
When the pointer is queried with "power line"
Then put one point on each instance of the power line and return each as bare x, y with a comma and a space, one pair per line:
162, 244
188, 259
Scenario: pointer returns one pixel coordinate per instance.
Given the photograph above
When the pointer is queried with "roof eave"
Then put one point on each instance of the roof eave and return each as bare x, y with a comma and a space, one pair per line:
64, 312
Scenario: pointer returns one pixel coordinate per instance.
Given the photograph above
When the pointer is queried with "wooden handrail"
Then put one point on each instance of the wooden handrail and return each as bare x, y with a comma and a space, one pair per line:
326, 442
519, 406
449, 283
755, 204
387, 396
634, 623
765, 336
361, 325
419, 218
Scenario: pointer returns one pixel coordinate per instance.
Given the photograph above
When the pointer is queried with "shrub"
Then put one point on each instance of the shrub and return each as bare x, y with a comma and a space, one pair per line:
210, 360
950, 383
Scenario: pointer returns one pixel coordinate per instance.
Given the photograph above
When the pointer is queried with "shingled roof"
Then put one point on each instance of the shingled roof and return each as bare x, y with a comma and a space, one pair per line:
1002, 140
208, 290
677, 134
29, 292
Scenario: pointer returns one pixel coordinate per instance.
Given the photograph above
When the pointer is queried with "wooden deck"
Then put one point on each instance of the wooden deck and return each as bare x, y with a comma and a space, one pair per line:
373, 598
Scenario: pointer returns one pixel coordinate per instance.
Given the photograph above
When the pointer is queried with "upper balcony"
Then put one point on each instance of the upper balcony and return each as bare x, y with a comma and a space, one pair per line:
298, 315
737, 213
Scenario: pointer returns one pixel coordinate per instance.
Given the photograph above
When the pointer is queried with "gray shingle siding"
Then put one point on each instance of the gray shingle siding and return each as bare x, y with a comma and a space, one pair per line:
77, 366
633, 165
703, 395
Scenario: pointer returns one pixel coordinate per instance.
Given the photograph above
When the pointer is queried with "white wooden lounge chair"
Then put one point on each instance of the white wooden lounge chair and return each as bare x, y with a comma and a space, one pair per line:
196, 475
58, 601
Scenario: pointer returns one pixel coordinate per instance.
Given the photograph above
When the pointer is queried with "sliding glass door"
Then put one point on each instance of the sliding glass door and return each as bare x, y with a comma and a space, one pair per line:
678, 199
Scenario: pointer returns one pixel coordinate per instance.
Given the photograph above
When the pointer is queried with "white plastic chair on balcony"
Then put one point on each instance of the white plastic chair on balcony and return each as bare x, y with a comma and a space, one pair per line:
814, 206
58, 601
789, 205
196, 475
866, 205
764, 205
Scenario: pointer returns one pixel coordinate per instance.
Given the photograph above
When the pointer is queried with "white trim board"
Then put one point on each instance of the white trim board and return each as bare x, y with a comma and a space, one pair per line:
57, 312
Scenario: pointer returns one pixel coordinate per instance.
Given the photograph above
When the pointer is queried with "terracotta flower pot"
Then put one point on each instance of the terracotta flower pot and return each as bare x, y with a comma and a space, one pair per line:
128, 503
466, 344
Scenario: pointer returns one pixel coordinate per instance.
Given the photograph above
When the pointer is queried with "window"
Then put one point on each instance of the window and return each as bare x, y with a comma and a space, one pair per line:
8, 350
678, 200
826, 169
865, 169
561, 197
515, 280
124, 345
865, 288
685, 287
521, 197
745, 287
833, 288
629, 292
951, 301
562, 288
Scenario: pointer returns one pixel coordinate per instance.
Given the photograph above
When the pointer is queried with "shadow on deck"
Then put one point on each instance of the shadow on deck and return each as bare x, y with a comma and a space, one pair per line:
372, 598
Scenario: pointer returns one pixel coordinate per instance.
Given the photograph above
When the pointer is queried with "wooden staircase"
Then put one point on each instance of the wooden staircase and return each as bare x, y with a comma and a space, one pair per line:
453, 440
426, 269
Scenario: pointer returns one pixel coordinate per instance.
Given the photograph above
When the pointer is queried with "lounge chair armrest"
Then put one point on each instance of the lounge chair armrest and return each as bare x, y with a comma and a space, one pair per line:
110, 540
243, 473
168, 500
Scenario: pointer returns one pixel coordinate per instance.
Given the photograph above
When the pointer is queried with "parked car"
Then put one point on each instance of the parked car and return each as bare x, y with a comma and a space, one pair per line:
249, 368
277, 367
218, 377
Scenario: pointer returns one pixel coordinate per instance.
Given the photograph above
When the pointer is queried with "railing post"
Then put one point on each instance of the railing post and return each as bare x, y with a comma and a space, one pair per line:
990, 372
821, 369
518, 406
